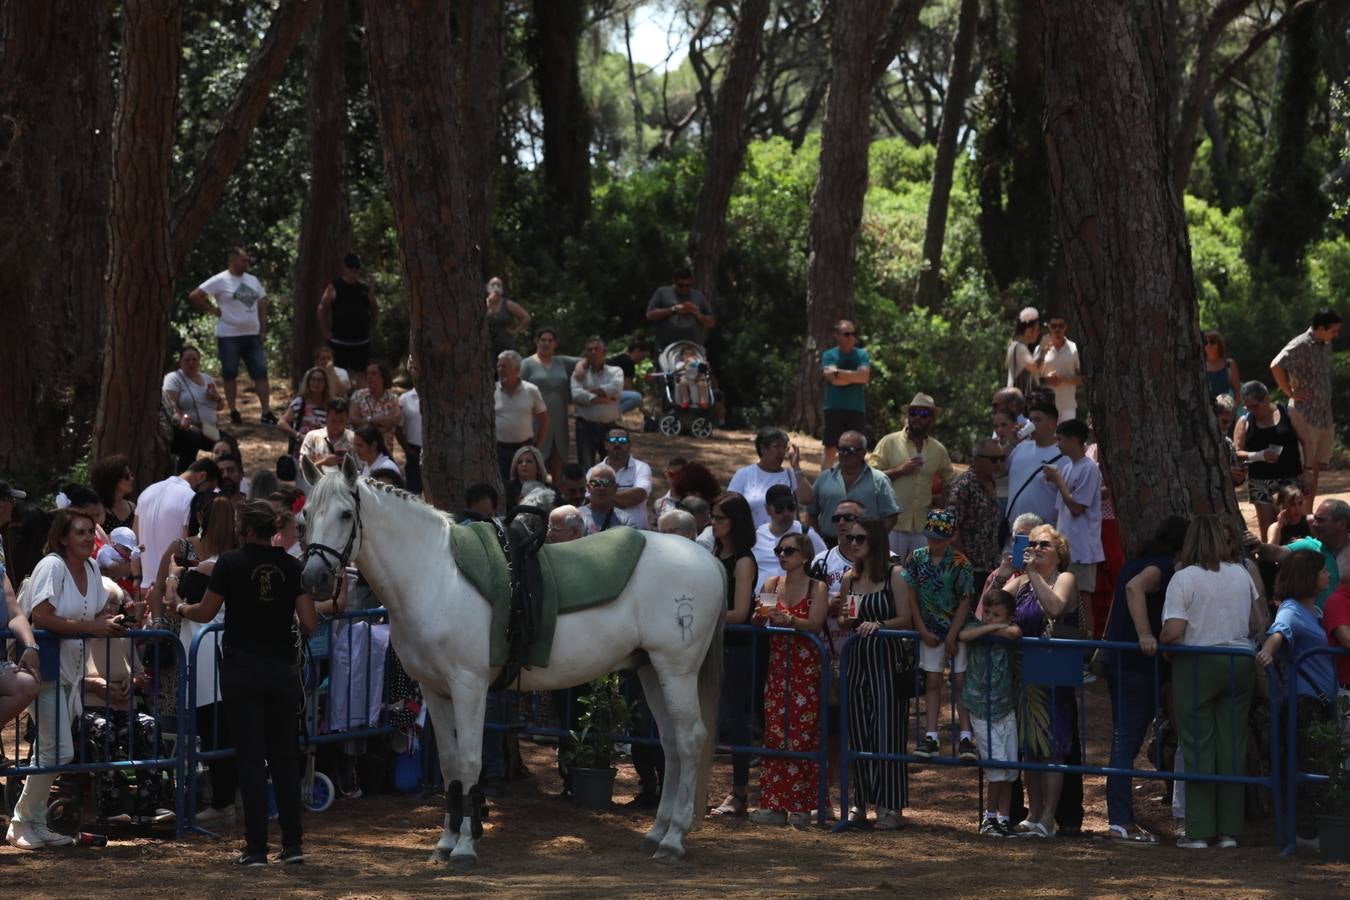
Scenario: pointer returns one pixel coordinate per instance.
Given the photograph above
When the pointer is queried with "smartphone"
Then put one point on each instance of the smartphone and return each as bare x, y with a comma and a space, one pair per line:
1019, 550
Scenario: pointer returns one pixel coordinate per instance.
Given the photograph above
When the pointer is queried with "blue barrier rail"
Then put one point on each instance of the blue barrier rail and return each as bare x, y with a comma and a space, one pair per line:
1296, 777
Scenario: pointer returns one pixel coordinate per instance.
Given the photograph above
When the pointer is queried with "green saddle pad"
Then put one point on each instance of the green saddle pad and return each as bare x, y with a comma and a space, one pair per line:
577, 575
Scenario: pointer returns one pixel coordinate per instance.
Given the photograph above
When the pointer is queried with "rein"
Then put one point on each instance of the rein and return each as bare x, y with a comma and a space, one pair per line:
336, 560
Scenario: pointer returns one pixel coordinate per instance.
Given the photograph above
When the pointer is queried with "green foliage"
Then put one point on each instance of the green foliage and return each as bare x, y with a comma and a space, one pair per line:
605, 713
1331, 747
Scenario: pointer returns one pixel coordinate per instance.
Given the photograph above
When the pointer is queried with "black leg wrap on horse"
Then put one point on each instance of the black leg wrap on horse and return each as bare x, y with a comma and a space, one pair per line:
454, 804
477, 812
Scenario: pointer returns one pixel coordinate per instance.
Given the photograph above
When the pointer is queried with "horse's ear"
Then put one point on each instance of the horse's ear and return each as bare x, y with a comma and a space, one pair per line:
308, 476
349, 470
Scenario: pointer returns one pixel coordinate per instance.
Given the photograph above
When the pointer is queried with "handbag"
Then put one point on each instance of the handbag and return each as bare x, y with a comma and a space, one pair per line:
1005, 526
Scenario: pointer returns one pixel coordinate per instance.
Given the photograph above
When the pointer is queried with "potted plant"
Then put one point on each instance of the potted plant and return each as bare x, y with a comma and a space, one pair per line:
587, 756
1329, 739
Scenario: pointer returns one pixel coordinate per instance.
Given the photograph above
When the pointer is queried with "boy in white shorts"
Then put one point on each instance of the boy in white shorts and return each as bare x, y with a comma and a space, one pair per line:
988, 695
941, 593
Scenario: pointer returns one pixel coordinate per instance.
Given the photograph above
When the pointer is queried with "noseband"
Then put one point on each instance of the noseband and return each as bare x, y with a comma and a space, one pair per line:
337, 560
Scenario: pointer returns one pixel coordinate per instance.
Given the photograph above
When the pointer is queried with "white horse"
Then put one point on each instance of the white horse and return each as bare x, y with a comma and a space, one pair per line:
667, 624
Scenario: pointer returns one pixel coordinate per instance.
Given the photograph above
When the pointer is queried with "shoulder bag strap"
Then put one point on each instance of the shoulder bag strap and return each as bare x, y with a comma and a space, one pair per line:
1056, 458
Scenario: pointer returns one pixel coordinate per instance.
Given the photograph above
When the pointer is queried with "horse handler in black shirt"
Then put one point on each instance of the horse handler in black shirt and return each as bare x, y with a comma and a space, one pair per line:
260, 673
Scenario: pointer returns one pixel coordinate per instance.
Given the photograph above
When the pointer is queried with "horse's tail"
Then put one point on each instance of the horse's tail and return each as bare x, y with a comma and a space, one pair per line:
709, 694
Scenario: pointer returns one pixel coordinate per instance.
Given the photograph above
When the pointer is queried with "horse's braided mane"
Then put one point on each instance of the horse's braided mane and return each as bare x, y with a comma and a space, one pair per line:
387, 488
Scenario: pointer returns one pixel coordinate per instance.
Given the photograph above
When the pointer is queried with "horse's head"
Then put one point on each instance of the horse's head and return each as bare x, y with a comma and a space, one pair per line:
332, 526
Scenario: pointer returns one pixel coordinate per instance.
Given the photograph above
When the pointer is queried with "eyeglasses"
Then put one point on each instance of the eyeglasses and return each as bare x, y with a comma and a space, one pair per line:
783, 507
849, 451
920, 412
617, 439
785, 551
600, 482
844, 517
1042, 545
856, 540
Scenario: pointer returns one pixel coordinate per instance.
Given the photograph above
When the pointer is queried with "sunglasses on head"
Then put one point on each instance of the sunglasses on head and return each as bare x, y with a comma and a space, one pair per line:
785, 551
849, 451
856, 540
844, 517
600, 482
617, 439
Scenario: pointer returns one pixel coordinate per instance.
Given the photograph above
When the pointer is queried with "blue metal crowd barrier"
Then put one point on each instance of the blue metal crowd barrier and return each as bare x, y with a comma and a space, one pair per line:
81, 762
194, 757
1054, 662
1289, 709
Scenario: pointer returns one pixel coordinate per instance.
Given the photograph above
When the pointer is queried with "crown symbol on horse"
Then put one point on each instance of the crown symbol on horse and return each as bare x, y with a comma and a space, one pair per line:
441, 626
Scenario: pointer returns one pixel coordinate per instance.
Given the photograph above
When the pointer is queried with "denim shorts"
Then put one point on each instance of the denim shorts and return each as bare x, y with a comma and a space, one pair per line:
247, 347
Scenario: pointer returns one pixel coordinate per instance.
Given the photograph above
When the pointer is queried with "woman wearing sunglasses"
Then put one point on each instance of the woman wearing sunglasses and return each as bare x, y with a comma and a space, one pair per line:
1044, 591
733, 529
787, 786
875, 581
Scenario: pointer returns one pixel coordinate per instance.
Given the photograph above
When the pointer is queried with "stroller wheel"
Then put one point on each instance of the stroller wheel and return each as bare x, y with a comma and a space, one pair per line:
669, 425
701, 427
321, 793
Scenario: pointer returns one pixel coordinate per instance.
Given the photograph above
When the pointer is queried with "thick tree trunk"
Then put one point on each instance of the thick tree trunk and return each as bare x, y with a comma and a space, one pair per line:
55, 111
420, 95
837, 199
944, 162
726, 142
194, 209
140, 268
325, 227
1128, 265
555, 32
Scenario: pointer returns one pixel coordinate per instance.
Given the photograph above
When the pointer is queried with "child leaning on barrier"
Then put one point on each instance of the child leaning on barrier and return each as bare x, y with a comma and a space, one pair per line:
988, 696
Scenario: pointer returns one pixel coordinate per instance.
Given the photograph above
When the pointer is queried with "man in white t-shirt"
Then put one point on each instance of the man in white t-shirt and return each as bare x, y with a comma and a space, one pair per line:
162, 513
633, 475
238, 301
410, 432
1060, 368
1028, 490
782, 507
519, 410
1079, 512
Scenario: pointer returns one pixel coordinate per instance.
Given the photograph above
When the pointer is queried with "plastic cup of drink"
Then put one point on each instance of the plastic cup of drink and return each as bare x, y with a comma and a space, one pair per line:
768, 602
1274, 450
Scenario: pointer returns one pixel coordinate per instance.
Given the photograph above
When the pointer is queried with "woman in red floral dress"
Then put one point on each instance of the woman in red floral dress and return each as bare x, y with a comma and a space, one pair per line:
788, 786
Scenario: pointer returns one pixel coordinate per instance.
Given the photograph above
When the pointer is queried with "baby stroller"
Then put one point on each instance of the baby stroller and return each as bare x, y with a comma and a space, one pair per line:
684, 391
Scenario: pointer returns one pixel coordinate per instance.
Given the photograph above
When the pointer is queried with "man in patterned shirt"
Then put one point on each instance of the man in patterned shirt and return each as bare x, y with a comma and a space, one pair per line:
1303, 371
972, 499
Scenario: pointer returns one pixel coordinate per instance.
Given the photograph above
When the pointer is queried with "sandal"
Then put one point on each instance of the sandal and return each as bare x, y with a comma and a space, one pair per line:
1132, 835
734, 805
892, 821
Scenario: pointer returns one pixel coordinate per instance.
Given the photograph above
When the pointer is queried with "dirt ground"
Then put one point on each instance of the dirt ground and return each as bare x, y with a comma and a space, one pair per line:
539, 844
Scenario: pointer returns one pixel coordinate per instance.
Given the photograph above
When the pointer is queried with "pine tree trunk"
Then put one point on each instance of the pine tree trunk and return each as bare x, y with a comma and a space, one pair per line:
837, 199
944, 162
325, 227
422, 94
140, 269
726, 144
1128, 265
555, 33
55, 111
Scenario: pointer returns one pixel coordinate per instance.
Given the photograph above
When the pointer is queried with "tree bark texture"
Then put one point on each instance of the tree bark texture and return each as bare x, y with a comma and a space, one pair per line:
197, 204
140, 261
837, 199
726, 143
1128, 266
55, 111
325, 226
419, 95
555, 33
944, 161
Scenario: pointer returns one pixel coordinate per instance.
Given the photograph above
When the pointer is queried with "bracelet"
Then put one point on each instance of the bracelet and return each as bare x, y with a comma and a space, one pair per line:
27, 647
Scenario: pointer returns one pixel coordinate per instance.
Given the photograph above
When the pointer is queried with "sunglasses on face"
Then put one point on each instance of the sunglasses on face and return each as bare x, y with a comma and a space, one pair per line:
992, 457
849, 451
617, 439
600, 482
785, 551
856, 540
1041, 545
783, 507
921, 413
844, 517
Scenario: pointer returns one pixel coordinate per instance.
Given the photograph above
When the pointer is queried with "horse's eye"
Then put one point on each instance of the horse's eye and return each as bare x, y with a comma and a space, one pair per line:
346, 514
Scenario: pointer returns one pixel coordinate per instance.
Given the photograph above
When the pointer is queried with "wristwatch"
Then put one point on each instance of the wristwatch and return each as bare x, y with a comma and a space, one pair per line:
27, 647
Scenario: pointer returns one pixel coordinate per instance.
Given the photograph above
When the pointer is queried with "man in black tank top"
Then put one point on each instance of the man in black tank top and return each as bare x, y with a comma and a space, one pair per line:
347, 315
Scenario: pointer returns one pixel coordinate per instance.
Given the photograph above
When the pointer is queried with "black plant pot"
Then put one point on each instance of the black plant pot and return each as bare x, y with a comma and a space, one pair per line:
593, 788
1333, 833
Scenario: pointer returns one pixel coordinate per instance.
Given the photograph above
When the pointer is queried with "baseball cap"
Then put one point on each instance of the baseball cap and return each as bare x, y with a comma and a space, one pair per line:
123, 536
11, 493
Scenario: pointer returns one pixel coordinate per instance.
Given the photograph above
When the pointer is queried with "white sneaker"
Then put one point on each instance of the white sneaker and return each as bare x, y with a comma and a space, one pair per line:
216, 814
51, 838
21, 835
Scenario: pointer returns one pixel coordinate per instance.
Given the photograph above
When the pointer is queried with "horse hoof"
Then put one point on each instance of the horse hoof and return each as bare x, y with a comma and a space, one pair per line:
649, 846
440, 855
463, 863
669, 854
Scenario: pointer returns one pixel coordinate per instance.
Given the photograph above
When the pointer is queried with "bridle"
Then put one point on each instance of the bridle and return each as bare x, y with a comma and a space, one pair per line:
336, 560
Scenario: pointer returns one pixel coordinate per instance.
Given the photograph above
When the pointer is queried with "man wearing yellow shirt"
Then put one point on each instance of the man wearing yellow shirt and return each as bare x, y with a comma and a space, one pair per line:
910, 459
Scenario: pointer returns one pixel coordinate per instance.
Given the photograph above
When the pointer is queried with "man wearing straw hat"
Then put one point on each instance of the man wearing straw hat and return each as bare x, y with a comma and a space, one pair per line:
910, 458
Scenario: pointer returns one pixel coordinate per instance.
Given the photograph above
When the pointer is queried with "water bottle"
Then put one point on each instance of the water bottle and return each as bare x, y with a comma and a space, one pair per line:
89, 839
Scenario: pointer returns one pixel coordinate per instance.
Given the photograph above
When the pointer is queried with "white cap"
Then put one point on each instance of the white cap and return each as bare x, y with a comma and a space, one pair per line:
123, 537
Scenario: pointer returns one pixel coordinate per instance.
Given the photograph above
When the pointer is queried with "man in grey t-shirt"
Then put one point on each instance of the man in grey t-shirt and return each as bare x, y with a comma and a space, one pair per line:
680, 313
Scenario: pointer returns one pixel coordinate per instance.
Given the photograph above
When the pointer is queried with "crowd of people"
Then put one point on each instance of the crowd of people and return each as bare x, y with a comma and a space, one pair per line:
889, 536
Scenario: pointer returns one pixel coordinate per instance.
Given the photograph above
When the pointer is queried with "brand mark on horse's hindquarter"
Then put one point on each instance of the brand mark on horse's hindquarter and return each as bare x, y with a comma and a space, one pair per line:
684, 616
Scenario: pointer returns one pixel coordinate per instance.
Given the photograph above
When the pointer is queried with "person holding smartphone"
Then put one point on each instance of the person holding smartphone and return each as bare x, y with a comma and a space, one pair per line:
326, 447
